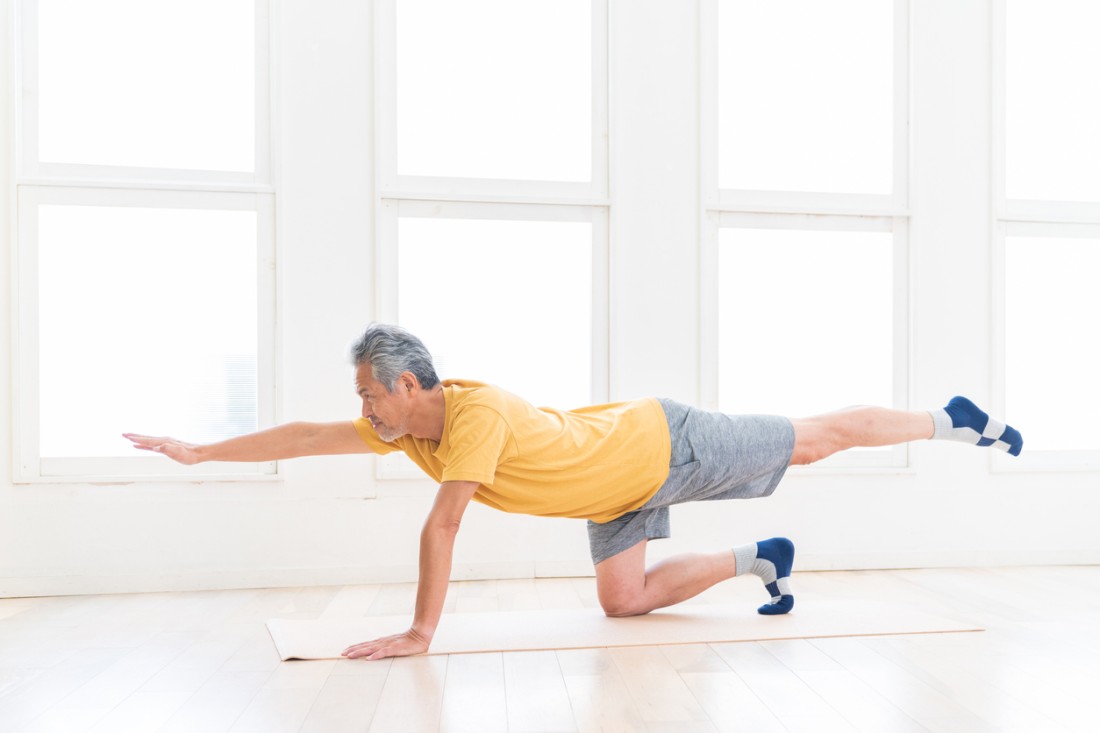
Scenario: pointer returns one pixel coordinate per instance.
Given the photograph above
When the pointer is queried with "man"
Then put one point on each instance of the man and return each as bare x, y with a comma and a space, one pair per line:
620, 466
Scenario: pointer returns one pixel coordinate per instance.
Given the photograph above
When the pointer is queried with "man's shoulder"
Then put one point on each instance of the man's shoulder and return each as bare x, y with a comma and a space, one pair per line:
470, 396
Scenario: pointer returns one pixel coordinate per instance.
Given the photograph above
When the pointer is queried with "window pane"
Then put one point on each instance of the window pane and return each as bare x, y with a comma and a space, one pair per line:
495, 89
147, 323
1051, 353
503, 302
1052, 108
806, 321
806, 96
151, 84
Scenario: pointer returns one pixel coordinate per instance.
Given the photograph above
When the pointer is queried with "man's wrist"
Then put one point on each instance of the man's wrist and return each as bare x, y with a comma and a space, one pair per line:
421, 633
202, 453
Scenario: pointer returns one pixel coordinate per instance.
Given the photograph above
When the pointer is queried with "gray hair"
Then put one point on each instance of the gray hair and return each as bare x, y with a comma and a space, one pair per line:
391, 351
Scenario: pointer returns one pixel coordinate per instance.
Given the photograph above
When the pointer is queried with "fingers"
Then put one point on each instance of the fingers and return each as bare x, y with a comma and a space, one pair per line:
148, 442
141, 444
170, 447
368, 647
398, 645
367, 650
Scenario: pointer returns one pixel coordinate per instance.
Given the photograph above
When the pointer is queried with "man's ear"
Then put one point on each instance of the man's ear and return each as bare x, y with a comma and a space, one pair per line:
407, 382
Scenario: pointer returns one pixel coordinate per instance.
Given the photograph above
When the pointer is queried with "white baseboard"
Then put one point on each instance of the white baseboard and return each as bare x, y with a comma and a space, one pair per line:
153, 582
85, 584
1024, 556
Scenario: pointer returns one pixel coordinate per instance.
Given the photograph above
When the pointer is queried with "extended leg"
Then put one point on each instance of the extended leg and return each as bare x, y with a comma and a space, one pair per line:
821, 436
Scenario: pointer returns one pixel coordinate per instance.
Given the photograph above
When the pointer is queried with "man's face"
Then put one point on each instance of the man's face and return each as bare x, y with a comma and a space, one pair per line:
387, 411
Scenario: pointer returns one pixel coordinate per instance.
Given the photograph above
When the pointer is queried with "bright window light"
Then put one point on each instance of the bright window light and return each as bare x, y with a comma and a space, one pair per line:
1051, 353
152, 84
495, 89
504, 302
806, 96
1052, 108
147, 323
805, 320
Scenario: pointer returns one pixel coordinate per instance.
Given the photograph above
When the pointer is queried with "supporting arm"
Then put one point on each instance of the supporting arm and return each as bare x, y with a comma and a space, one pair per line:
437, 540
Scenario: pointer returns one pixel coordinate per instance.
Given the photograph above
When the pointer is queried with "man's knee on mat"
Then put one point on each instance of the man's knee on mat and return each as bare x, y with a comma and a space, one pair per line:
620, 582
619, 596
622, 606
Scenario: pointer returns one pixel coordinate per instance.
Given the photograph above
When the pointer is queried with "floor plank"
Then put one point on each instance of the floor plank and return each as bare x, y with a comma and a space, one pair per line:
537, 696
412, 697
475, 695
597, 693
284, 701
729, 703
659, 692
784, 693
218, 703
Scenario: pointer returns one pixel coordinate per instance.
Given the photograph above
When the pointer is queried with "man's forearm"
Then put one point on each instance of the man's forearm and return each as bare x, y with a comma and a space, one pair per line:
290, 440
436, 551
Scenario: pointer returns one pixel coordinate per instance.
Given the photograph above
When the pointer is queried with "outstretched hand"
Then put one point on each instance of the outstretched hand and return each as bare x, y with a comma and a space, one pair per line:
177, 450
396, 645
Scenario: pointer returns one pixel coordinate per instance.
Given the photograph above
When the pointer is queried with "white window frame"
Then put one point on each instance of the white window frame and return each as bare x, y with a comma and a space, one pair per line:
400, 196
47, 173
798, 202
392, 210
1029, 460
38, 183
895, 458
390, 185
730, 208
1024, 218
30, 466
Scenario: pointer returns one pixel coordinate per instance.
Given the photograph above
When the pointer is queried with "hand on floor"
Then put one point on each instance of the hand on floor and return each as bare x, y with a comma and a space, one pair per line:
397, 645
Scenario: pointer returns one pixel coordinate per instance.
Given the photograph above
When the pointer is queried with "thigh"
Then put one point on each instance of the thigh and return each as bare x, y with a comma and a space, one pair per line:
609, 539
733, 457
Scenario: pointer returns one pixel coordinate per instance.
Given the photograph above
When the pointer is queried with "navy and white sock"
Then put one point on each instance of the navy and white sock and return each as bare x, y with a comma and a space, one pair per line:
962, 420
771, 560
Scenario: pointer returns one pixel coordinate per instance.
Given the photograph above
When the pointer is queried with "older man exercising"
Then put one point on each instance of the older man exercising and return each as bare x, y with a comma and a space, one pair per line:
620, 466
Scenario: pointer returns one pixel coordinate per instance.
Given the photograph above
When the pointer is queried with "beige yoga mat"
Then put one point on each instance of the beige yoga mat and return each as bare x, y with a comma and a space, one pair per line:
461, 633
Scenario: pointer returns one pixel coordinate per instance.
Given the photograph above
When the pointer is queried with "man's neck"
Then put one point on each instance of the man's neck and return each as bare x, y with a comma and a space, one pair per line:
429, 414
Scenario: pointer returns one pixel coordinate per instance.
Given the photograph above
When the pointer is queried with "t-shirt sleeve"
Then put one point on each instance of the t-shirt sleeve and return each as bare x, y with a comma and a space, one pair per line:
480, 440
370, 437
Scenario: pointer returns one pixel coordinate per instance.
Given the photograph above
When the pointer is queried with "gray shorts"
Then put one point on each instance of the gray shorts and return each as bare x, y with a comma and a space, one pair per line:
714, 456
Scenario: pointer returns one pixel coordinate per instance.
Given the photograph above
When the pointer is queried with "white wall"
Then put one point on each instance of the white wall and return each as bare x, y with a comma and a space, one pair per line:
328, 520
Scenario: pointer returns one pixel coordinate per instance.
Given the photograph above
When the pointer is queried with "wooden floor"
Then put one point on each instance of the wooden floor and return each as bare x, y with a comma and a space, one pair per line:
203, 662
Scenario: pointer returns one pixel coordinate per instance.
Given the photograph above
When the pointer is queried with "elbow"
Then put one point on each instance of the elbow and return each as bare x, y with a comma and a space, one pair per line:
447, 528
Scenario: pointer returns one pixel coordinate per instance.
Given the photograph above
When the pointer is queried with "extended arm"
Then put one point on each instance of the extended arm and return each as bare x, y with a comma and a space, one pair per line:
437, 540
291, 440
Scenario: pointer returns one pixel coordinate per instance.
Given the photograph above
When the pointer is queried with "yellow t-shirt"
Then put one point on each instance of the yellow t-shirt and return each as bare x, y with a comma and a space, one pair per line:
594, 462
